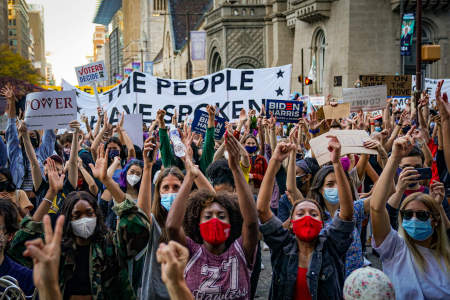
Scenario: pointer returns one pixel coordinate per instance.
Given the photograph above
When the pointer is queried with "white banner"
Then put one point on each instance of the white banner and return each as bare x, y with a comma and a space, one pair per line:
430, 86
132, 124
50, 110
230, 90
91, 73
366, 98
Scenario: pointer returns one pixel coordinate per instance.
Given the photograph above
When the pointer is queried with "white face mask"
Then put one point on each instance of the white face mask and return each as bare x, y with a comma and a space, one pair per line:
133, 179
84, 227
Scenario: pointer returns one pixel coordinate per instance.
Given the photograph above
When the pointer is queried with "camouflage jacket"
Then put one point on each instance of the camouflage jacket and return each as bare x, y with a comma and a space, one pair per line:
108, 257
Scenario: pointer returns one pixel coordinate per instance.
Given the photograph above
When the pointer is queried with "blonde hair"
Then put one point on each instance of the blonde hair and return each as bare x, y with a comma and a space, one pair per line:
439, 245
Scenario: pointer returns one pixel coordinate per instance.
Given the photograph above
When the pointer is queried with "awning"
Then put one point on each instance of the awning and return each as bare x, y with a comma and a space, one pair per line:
106, 10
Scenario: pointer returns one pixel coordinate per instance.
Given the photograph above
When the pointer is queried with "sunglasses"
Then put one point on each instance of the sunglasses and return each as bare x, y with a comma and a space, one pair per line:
422, 215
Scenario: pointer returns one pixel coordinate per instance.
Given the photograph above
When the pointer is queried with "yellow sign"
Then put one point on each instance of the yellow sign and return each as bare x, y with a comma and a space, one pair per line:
87, 89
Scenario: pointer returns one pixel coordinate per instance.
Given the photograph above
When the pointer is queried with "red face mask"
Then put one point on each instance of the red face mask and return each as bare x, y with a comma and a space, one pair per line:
306, 228
215, 231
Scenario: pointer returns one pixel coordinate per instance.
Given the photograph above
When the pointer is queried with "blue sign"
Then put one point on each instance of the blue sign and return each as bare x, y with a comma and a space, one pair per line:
200, 124
148, 67
285, 111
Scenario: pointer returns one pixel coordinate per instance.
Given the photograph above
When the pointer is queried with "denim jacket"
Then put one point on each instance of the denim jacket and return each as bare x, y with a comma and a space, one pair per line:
18, 163
325, 275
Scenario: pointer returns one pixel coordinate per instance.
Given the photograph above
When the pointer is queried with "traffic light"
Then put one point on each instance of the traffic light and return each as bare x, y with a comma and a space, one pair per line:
308, 81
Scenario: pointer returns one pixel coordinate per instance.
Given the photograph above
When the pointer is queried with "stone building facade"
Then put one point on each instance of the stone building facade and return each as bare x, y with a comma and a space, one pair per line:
19, 35
3, 22
345, 38
36, 18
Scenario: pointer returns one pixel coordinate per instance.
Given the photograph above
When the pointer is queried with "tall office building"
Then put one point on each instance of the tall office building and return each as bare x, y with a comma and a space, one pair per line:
36, 18
19, 34
3, 22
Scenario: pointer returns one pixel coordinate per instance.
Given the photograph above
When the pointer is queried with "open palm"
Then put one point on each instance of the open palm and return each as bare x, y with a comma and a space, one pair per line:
101, 164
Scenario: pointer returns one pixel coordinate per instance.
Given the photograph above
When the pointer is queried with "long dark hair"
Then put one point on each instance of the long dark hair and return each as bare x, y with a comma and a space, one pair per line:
122, 155
158, 211
201, 199
66, 210
317, 184
123, 174
11, 187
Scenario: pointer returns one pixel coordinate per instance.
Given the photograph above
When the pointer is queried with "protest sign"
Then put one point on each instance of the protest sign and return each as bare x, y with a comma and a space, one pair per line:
351, 143
132, 124
377, 114
365, 98
91, 73
317, 100
230, 90
431, 85
200, 124
400, 102
340, 111
50, 110
396, 85
284, 111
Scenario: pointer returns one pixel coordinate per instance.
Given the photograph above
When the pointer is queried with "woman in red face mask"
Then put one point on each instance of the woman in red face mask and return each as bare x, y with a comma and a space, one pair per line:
307, 262
220, 231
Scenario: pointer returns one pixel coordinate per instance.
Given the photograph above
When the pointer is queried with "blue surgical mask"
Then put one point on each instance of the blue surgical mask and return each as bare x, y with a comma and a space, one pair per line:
167, 200
378, 129
418, 230
251, 149
331, 195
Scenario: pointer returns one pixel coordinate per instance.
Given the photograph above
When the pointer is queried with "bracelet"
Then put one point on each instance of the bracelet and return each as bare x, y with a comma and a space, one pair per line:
315, 131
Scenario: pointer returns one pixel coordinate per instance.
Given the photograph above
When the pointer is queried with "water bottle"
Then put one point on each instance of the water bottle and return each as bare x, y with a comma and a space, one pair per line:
178, 147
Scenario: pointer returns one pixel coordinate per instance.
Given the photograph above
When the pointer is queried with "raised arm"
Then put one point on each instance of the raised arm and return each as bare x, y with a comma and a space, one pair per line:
98, 138
36, 174
291, 183
245, 199
73, 159
344, 190
208, 145
93, 188
219, 152
444, 110
265, 192
100, 172
380, 218
145, 191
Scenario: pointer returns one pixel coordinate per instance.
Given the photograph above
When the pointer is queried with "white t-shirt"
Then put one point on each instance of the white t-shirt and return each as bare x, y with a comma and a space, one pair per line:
408, 280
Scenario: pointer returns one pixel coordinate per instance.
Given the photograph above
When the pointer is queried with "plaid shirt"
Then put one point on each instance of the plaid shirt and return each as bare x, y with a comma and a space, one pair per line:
258, 169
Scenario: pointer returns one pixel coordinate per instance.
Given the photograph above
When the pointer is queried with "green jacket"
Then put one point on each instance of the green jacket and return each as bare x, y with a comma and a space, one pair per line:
108, 264
168, 156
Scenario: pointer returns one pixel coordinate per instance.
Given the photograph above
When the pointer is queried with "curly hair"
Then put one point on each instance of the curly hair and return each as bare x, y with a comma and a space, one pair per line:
66, 210
201, 199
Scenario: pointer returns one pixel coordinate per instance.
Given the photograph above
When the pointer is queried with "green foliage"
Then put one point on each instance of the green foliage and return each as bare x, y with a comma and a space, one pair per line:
14, 66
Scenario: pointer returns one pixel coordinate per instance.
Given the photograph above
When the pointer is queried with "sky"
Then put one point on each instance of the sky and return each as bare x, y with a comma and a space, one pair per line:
68, 35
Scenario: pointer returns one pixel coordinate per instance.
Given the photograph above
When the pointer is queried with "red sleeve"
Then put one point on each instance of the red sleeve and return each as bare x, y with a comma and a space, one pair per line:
236, 134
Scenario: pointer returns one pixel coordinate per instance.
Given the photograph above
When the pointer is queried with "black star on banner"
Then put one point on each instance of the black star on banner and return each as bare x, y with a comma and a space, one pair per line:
279, 91
280, 74
78, 93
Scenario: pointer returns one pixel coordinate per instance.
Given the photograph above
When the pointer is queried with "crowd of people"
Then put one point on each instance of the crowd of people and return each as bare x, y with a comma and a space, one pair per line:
89, 215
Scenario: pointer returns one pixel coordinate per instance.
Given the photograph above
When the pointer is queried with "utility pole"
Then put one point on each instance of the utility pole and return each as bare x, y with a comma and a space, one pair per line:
402, 59
303, 81
142, 60
418, 55
188, 41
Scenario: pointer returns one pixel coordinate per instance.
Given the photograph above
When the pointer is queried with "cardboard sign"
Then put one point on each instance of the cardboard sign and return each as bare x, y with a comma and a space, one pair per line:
340, 111
284, 111
351, 143
317, 100
50, 110
400, 102
200, 124
132, 124
396, 85
91, 73
365, 98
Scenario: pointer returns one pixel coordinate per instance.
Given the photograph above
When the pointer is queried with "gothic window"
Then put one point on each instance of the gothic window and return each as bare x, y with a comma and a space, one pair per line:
320, 48
216, 62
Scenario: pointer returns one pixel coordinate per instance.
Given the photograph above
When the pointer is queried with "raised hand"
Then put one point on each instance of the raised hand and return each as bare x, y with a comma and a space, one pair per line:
437, 191
150, 147
46, 259
55, 181
282, 151
75, 125
211, 111
160, 118
242, 116
8, 92
173, 258
372, 143
233, 149
22, 129
293, 135
403, 145
101, 164
120, 124
334, 146
314, 123
408, 176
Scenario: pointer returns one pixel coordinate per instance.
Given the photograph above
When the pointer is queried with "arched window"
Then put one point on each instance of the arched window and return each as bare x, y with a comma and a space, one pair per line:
216, 62
320, 47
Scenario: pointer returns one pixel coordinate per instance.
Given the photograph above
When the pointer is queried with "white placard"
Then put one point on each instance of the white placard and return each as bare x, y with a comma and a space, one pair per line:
50, 110
317, 100
133, 127
90, 73
366, 98
230, 90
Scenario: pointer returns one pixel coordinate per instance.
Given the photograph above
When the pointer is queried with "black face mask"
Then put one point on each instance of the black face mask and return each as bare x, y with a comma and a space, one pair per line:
34, 142
299, 181
4, 186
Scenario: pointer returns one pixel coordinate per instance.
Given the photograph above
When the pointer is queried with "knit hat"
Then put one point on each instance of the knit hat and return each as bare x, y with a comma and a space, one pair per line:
368, 284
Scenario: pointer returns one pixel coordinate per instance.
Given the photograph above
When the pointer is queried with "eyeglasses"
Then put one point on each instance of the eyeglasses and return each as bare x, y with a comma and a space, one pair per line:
422, 215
